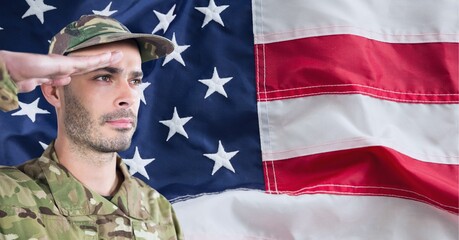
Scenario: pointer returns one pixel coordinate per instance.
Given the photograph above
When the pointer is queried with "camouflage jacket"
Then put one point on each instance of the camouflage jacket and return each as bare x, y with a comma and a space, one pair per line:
8, 90
42, 200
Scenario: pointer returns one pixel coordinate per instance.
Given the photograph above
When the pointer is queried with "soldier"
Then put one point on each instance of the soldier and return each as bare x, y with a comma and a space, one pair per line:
80, 188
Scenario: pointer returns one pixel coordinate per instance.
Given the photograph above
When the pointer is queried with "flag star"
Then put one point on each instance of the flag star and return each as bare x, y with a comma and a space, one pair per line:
176, 124
30, 109
1, 28
221, 158
37, 8
176, 53
212, 12
43, 145
106, 12
164, 20
215, 84
137, 164
141, 88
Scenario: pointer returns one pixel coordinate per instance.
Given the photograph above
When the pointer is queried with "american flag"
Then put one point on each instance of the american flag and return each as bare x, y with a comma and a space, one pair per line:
271, 119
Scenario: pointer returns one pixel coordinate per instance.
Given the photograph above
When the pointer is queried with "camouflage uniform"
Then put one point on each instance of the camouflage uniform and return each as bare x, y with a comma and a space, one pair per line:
42, 200
8, 90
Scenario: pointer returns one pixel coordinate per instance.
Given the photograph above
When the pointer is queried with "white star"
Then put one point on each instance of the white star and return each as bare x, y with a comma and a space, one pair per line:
164, 20
30, 109
212, 12
176, 124
137, 164
215, 84
43, 145
221, 158
141, 90
106, 11
176, 53
37, 8
1, 28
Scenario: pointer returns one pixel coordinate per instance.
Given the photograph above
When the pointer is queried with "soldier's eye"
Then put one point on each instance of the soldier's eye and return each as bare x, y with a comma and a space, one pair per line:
136, 81
103, 78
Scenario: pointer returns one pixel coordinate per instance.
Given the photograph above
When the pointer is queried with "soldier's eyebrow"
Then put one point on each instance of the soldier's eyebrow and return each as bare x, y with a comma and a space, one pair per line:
137, 74
114, 70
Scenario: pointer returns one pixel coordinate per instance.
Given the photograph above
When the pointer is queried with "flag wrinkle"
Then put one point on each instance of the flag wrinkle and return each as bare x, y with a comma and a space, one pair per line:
194, 196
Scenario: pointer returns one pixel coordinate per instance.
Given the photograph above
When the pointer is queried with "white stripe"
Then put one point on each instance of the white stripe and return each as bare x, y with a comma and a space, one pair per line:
401, 21
304, 126
254, 215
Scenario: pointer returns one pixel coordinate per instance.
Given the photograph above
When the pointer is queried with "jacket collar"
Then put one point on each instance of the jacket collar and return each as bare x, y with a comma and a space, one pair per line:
72, 198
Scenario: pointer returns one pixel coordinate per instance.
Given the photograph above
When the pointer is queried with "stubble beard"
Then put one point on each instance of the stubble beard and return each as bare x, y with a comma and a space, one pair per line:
84, 132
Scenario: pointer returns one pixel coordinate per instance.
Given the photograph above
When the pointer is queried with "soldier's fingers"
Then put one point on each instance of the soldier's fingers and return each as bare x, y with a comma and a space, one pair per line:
58, 66
31, 67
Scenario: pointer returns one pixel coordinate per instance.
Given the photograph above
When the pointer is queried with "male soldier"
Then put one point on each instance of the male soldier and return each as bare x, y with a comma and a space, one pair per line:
79, 188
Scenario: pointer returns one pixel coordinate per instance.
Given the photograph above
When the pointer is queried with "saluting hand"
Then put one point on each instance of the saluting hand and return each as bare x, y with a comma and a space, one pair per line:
29, 70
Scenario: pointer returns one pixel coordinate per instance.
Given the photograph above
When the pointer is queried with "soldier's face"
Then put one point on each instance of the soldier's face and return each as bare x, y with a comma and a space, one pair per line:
100, 107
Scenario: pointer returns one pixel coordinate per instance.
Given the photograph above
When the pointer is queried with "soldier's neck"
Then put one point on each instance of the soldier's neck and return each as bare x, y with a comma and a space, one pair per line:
96, 171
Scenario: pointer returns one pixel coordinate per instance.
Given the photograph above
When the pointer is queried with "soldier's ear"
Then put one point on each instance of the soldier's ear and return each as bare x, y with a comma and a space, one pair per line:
53, 94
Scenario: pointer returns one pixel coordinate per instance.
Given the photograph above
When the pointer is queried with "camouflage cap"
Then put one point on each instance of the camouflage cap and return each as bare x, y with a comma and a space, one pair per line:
92, 30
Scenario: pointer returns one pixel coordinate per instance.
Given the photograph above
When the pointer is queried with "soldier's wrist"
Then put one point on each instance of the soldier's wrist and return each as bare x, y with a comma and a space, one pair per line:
8, 88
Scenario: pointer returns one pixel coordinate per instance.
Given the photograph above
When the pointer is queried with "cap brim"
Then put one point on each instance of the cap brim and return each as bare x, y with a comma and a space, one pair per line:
150, 46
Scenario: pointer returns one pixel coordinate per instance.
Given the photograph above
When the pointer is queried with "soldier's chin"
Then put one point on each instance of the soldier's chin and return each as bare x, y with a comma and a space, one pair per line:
117, 145
124, 146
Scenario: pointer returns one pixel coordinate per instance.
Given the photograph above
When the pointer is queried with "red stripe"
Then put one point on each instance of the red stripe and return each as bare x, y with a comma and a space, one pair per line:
366, 171
347, 64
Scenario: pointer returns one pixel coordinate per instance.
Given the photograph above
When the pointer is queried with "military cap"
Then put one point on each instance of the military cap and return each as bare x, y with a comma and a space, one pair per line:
91, 30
